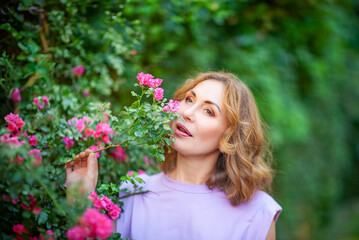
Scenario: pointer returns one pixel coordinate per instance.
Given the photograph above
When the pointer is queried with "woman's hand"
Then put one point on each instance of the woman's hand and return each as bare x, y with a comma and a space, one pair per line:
83, 171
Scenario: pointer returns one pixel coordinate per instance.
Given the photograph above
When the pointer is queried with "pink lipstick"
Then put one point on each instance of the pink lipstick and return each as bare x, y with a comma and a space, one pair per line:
182, 131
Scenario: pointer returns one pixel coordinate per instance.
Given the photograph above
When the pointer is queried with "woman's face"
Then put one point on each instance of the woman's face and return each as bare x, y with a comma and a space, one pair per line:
204, 121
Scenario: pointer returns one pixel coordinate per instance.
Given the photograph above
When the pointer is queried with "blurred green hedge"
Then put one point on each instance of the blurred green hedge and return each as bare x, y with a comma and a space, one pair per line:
300, 58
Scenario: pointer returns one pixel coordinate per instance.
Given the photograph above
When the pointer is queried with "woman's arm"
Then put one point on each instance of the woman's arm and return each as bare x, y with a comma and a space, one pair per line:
271, 232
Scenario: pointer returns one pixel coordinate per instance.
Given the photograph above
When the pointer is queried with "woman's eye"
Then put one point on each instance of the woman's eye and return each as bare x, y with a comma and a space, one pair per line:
188, 99
209, 111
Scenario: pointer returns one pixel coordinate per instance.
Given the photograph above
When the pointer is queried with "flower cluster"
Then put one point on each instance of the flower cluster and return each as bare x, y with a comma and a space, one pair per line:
11, 140
148, 80
20, 231
93, 224
172, 105
102, 131
15, 123
105, 203
81, 123
45, 100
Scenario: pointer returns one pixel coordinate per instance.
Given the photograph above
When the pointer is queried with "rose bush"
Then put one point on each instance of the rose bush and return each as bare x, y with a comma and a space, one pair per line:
34, 151
55, 78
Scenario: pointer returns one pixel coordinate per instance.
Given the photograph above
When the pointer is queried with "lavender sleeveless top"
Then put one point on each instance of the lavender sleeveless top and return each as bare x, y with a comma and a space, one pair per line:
176, 210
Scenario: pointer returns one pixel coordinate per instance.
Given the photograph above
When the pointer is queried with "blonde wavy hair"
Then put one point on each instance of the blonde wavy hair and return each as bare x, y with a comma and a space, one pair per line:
243, 167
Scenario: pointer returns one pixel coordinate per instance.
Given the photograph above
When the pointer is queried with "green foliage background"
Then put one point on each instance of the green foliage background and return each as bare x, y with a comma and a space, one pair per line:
300, 58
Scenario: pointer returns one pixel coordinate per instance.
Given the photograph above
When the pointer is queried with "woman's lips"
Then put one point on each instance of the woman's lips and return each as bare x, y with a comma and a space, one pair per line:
182, 131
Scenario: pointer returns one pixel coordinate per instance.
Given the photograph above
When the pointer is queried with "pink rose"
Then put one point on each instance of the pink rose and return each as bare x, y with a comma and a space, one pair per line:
140, 172
15, 95
19, 122
14, 141
95, 148
105, 139
97, 224
145, 159
174, 105
153, 83
78, 71
11, 127
93, 197
166, 108
68, 142
115, 211
158, 94
11, 117
4, 138
36, 210
76, 233
80, 125
106, 203
89, 132
133, 52
45, 99
98, 204
143, 79
103, 128
130, 173
19, 228
33, 141
86, 93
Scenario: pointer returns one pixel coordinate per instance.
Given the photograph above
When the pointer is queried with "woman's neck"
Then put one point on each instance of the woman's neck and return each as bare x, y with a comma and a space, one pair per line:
194, 170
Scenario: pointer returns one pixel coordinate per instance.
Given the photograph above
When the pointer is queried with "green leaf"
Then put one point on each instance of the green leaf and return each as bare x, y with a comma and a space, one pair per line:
42, 217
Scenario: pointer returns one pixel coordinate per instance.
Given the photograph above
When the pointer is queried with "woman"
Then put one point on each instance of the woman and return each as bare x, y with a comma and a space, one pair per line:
211, 183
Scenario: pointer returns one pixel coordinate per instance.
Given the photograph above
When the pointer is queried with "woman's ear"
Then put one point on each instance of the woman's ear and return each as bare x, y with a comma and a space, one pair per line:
221, 149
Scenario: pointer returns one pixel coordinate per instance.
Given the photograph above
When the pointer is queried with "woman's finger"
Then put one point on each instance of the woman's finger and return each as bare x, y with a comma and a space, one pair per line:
82, 155
68, 169
77, 165
83, 163
88, 151
92, 168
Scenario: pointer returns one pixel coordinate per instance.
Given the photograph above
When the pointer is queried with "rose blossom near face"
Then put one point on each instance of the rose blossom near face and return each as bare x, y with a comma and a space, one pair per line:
204, 120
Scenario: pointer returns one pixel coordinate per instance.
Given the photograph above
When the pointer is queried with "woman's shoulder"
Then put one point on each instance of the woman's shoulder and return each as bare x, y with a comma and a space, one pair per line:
264, 204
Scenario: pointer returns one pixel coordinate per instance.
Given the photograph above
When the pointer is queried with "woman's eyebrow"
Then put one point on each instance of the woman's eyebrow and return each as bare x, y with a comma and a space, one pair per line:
207, 101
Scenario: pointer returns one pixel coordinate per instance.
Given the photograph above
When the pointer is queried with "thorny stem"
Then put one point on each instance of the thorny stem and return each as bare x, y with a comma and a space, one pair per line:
132, 194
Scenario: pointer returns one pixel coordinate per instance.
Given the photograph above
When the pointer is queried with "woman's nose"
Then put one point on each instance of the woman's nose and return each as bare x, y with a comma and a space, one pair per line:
187, 112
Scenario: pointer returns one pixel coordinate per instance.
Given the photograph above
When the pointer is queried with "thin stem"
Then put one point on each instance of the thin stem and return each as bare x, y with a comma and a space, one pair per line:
132, 194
